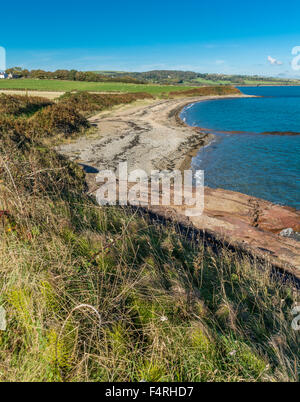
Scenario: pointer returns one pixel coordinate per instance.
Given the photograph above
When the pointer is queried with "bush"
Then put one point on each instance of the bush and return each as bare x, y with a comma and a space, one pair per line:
87, 102
18, 104
10, 124
58, 119
206, 91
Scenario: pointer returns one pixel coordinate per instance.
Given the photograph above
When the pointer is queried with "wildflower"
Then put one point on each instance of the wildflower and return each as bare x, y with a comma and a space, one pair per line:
232, 353
163, 318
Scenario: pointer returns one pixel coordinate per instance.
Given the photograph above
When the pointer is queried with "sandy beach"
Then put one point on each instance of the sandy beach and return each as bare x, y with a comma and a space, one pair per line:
150, 135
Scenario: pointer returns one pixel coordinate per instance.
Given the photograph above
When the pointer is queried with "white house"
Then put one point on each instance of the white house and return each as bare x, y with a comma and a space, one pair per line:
3, 75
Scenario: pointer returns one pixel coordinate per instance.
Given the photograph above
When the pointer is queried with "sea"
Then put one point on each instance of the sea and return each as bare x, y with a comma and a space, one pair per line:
256, 148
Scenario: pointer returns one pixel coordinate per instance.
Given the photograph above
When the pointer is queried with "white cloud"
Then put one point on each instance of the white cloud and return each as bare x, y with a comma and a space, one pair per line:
274, 61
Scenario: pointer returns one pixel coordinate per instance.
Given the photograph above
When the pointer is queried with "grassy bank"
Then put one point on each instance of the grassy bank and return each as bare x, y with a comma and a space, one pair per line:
206, 91
107, 294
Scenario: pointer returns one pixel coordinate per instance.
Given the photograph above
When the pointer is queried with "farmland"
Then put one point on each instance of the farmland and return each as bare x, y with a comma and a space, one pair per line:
66, 86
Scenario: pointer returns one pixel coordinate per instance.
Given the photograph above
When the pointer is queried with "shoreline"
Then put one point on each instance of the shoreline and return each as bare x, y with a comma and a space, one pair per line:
214, 133
220, 131
151, 136
148, 134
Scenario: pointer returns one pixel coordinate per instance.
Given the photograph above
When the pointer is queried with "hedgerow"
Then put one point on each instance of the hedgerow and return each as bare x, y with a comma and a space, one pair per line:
206, 91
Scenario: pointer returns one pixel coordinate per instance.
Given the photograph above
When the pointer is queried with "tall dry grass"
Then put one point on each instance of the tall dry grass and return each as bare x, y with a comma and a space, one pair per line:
170, 309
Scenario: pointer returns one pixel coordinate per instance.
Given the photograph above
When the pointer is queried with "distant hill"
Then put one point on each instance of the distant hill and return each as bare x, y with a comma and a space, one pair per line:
192, 78
161, 77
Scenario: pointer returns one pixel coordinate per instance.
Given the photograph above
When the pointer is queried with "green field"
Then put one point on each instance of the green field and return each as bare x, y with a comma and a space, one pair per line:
211, 82
65, 86
278, 82
246, 82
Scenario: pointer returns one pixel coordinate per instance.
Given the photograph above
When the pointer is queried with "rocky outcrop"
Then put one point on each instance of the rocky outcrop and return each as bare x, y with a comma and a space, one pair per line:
239, 221
247, 223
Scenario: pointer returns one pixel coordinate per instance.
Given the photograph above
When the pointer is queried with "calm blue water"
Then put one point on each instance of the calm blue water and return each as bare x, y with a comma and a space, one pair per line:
265, 166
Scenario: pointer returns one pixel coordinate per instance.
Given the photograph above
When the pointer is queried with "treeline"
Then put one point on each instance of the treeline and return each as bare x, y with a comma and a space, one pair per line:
71, 75
177, 77
165, 77
190, 77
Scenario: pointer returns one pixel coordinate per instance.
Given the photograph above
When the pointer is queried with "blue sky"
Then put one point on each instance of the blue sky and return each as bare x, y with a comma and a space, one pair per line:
204, 36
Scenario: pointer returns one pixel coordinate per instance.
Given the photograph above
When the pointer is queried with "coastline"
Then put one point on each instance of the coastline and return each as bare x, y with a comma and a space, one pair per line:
220, 131
215, 132
151, 136
148, 134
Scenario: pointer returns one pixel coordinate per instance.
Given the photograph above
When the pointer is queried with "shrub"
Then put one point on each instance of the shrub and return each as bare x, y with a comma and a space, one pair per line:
58, 119
18, 104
